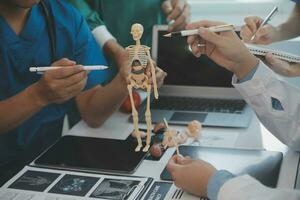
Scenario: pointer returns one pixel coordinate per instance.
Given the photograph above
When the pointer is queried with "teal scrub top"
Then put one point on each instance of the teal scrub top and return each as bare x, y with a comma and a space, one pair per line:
32, 48
119, 15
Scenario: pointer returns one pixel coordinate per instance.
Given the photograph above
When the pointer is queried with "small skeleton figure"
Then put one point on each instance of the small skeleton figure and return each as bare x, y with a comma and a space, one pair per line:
140, 59
194, 129
170, 138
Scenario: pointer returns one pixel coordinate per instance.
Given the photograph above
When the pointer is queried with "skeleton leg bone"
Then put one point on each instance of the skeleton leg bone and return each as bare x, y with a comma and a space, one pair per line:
148, 119
135, 119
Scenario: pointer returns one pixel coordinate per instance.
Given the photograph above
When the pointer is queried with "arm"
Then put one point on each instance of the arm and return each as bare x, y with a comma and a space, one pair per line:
275, 102
97, 104
290, 28
265, 90
111, 48
56, 86
202, 179
17, 109
247, 188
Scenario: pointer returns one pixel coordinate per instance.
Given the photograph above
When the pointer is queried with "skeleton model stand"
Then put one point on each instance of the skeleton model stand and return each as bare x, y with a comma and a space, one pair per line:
140, 59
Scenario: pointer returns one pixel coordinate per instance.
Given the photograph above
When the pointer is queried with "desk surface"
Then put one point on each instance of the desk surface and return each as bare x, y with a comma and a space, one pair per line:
254, 137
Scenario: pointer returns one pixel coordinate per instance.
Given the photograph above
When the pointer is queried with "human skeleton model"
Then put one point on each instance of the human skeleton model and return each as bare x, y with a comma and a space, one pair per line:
140, 59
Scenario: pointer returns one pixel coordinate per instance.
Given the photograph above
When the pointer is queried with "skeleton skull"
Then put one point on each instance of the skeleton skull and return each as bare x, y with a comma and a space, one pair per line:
137, 31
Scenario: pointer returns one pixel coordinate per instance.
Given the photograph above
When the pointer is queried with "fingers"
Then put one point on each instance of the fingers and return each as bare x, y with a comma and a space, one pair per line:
196, 49
263, 31
172, 164
65, 71
251, 26
279, 66
274, 61
74, 79
203, 23
182, 20
74, 89
167, 7
253, 22
177, 8
246, 34
64, 62
210, 36
184, 160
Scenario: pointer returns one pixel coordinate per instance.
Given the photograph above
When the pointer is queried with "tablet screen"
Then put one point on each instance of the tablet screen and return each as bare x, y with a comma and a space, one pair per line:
92, 154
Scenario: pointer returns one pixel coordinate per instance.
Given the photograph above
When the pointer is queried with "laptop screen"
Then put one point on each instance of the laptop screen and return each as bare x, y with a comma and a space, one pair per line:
183, 68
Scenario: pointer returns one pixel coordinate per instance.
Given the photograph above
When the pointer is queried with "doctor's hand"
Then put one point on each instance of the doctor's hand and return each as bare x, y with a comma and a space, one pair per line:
264, 35
191, 175
225, 48
178, 11
282, 67
60, 85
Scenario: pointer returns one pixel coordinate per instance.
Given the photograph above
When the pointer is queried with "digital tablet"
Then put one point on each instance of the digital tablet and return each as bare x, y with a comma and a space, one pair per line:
92, 154
263, 165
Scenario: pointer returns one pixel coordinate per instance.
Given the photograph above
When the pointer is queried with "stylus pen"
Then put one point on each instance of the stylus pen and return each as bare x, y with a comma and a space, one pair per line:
216, 29
266, 20
88, 68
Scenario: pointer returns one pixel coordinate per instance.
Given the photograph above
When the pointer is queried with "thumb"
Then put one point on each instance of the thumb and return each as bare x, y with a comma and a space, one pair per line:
167, 7
210, 36
263, 31
183, 160
63, 62
274, 62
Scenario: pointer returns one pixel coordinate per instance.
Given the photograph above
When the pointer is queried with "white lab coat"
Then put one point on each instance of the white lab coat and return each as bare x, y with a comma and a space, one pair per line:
282, 124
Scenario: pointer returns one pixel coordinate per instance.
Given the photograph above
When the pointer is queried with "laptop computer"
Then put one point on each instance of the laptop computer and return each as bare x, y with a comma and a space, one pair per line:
195, 88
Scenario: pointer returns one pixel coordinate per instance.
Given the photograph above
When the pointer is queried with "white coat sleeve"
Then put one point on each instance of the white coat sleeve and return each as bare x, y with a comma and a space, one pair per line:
258, 92
247, 188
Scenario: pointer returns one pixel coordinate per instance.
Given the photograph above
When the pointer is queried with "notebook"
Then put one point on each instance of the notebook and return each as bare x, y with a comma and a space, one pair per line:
262, 51
195, 88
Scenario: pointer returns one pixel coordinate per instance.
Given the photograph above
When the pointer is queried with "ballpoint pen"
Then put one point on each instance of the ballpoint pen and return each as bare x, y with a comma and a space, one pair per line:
266, 20
88, 68
216, 29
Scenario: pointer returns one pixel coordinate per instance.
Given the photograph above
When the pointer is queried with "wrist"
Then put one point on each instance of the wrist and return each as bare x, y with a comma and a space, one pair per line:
277, 36
35, 93
242, 69
122, 83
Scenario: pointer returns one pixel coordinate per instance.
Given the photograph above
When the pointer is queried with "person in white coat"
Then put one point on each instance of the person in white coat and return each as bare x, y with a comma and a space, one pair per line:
276, 103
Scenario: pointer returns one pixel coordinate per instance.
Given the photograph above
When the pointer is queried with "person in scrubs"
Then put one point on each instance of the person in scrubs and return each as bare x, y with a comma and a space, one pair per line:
111, 20
32, 106
268, 34
276, 103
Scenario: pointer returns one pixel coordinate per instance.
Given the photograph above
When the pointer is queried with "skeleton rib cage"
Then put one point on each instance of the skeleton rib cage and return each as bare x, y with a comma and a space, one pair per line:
139, 53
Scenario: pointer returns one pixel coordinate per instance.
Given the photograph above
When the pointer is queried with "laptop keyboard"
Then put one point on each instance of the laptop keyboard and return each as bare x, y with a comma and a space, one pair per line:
199, 104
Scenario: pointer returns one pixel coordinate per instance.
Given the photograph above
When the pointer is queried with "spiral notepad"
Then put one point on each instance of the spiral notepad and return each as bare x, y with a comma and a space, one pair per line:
262, 51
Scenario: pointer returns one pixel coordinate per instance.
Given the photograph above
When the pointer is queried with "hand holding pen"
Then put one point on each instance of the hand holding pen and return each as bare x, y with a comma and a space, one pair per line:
59, 85
258, 31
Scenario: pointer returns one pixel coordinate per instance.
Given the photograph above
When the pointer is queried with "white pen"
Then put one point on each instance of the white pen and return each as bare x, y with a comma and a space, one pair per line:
266, 20
88, 68
216, 29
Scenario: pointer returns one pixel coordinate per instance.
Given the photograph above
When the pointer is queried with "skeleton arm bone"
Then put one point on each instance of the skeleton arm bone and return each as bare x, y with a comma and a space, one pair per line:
153, 74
